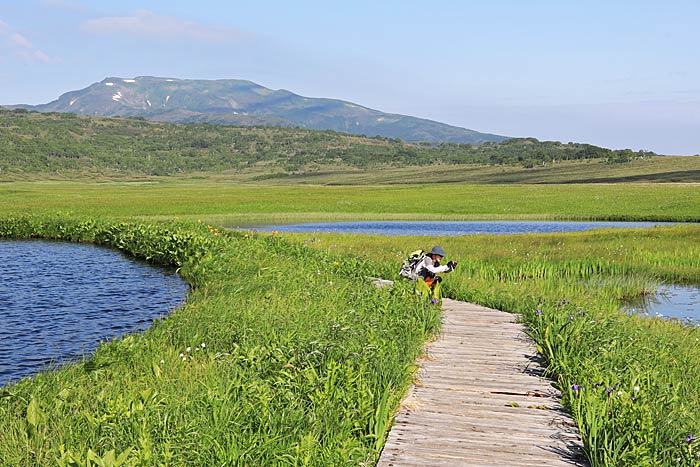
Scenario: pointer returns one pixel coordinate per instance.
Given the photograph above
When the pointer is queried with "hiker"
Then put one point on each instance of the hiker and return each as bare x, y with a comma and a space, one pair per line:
427, 279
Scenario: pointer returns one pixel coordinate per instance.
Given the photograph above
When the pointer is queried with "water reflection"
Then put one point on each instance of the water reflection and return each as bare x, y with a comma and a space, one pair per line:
671, 302
59, 300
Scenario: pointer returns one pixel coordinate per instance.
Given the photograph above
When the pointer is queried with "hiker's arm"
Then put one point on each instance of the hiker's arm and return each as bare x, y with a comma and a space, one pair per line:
437, 269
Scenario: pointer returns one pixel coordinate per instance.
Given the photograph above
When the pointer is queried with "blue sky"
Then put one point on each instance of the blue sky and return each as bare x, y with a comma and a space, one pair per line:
620, 74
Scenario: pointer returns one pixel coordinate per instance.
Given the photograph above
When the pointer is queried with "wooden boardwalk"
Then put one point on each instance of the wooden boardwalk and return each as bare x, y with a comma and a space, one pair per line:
480, 400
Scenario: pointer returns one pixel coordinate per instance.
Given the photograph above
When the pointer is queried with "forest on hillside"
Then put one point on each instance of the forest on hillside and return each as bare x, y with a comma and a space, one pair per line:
38, 143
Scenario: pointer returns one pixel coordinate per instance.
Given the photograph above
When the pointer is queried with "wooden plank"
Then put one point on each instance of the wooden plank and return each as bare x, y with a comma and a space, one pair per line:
480, 400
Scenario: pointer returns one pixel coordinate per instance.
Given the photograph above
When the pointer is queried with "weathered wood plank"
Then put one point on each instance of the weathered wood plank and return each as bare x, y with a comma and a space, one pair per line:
480, 400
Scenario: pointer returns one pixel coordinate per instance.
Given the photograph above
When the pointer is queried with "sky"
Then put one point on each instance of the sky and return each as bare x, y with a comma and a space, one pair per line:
618, 74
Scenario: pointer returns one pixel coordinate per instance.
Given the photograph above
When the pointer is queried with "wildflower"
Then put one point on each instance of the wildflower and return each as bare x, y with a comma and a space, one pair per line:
162, 362
538, 312
690, 438
184, 359
335, 263
188, 349
433, 301
182, 355
619, 393
575, 387
636, 389
203, 344
581, 313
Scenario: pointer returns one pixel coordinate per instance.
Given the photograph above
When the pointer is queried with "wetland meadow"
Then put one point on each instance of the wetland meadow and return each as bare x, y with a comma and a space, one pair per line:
285, 354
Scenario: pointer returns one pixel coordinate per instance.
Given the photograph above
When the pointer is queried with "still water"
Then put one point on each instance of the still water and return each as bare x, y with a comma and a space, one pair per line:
670, 302
444, 228
59, 300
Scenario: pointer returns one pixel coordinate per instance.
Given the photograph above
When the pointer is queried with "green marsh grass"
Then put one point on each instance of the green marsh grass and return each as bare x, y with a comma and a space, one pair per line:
630, 382
232, 407
280, 357
234, 205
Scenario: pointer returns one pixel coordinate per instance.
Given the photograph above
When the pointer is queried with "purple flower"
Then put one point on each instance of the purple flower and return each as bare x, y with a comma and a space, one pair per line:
581, 313
690, 438
574, 387
538, 312
433, 301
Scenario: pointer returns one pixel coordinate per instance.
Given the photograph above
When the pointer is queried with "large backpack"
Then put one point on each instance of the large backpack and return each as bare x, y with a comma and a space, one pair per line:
409, 265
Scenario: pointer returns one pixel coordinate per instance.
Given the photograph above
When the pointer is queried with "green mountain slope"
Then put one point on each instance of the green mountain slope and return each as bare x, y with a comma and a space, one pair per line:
239, 102
72, 145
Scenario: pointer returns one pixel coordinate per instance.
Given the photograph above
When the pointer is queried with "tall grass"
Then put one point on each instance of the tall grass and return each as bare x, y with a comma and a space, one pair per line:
631, 383
282, 356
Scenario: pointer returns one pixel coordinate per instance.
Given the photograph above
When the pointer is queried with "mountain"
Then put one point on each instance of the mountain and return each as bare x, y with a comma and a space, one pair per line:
239, 102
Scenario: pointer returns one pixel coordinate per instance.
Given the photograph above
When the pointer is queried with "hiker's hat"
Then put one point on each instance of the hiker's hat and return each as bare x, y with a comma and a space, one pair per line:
437, 250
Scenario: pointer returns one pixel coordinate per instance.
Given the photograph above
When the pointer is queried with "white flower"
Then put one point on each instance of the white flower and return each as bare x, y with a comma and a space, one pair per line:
182, 355
162, 362
636, 389
619, 393
203, 345
188, 349
184, 359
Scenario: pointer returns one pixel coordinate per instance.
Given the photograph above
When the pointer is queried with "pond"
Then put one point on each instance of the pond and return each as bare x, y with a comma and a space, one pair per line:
449, 228
59, 300
679, 302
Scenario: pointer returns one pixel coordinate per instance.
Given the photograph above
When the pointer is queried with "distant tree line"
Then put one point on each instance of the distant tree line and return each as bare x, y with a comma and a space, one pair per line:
32, 142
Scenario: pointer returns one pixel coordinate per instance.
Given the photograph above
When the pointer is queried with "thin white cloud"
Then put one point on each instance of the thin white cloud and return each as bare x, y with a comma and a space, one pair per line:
19, 46
145, 23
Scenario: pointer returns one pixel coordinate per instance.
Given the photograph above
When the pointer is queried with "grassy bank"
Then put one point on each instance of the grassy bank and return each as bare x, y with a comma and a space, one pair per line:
631, 383
282, 356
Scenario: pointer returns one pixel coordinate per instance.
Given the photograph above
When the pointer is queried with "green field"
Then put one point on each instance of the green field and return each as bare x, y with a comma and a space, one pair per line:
232, 205
304, 362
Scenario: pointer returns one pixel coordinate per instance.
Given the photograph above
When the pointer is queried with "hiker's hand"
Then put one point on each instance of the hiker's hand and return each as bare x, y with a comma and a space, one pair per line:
452, 265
